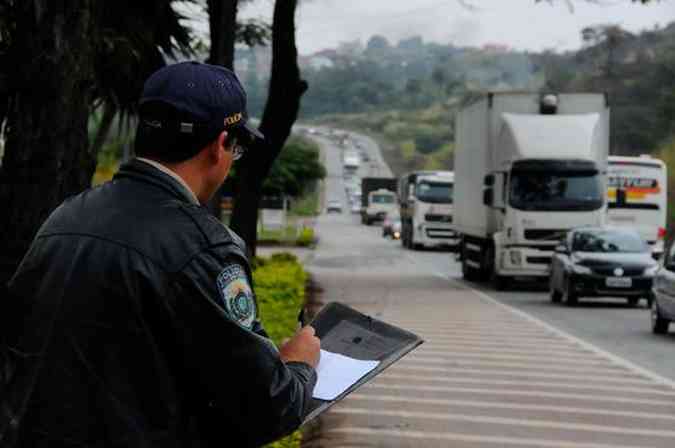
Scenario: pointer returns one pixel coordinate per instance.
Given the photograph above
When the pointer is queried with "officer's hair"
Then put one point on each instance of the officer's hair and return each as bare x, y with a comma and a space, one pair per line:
159, 136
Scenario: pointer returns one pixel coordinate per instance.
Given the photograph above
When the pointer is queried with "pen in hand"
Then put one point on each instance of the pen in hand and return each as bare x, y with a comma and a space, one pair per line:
301, 318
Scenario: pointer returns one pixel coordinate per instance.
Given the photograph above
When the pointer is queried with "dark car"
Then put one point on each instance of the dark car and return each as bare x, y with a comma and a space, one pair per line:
602, 262
663, 308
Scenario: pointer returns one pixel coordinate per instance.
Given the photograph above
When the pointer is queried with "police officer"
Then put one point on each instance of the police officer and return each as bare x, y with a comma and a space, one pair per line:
139, 325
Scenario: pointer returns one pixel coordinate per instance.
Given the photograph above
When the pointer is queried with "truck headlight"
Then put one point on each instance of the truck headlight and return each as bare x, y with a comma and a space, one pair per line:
579, 269
516, 257
651, 271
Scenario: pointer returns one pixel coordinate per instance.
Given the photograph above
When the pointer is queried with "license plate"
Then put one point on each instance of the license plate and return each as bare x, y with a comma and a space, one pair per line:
619, 282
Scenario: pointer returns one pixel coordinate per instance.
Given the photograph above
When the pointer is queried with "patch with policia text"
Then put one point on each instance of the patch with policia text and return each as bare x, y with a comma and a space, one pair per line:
237, 295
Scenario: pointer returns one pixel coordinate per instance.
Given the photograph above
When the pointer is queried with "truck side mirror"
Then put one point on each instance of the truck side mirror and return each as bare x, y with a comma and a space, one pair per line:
489, 180
488, 197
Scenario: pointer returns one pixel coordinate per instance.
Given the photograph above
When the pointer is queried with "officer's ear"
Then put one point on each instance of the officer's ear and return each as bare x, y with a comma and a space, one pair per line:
216, 149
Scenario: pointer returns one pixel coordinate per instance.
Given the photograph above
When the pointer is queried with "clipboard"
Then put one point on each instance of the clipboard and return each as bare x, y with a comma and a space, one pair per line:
348, 332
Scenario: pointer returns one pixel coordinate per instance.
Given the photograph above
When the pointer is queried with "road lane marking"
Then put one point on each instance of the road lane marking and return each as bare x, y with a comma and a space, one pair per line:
457, 437
513, 406
578, 360
527, 374
503, 339
531, 423
522, 393
617, 360
518, 365
525, 382
471, 349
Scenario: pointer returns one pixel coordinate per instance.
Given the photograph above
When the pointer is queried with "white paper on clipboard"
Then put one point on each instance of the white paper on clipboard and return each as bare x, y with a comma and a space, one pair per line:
336, 373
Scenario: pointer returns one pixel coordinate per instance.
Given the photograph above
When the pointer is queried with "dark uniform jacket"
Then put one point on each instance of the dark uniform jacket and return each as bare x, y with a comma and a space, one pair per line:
137, 327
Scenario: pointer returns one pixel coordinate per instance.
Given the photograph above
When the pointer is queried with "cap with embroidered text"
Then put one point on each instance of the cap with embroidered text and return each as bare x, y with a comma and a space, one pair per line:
209, 98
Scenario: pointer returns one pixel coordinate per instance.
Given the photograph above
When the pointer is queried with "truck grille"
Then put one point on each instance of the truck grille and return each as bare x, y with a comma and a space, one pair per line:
539, 260
545, 234
430, 217
440, 233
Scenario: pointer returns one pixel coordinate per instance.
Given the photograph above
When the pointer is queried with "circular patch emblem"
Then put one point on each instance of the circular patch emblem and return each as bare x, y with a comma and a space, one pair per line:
237, 296
618, 272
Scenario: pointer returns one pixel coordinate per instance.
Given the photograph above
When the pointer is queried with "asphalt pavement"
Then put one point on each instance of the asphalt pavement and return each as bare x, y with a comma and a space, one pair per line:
498, 369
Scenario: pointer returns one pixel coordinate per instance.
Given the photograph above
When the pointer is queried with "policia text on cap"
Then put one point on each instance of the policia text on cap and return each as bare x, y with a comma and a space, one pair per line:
137, 324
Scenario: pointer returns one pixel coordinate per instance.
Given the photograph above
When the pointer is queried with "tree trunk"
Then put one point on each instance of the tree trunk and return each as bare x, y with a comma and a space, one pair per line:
281, 111
222, 29
46, 153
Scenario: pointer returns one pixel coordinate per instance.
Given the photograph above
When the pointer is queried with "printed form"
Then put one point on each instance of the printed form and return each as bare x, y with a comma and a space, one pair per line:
336, 373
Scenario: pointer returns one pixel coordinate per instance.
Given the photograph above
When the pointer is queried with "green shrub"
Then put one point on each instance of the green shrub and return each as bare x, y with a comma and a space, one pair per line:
280, 289
306, 237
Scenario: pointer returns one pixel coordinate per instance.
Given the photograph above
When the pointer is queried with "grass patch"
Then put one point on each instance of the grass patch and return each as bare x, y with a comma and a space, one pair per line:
307, 205
280, 289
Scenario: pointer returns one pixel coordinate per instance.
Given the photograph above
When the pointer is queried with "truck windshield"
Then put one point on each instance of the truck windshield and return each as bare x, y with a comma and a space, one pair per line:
435, 192
556, 191
383, 199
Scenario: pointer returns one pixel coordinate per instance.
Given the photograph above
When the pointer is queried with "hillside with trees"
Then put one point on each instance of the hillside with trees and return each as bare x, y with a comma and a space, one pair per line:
406, 94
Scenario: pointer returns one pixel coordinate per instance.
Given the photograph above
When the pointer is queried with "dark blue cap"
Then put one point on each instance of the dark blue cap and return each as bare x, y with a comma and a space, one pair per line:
209, 98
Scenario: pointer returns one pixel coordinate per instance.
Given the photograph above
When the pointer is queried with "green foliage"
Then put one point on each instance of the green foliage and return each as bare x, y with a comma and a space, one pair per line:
306, 237
280, 290
296, 170
307, 205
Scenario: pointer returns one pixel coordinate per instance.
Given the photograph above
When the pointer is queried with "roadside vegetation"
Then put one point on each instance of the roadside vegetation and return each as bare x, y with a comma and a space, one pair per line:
280, 290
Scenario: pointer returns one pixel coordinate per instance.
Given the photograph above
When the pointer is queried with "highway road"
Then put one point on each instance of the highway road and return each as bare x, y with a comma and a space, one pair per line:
498, 369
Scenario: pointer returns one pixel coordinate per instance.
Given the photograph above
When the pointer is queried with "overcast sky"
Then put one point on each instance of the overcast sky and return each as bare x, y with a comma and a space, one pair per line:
518, 23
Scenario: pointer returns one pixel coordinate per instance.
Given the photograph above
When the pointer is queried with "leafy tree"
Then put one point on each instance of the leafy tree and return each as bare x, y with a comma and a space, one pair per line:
58, 62
281, 111
297, 169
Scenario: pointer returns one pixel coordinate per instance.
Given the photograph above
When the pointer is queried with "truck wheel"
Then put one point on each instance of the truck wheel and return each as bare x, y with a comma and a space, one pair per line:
555, 294
659, 324
571, 298
470, 274
499, 282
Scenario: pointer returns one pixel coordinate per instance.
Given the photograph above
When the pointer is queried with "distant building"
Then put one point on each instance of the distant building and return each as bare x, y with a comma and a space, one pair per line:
495, 48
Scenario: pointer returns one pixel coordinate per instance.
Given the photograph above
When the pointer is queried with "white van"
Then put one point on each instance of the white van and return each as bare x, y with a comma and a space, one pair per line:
637, 197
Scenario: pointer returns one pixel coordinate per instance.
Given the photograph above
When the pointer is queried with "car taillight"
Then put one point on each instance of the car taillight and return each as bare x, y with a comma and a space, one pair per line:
662, 233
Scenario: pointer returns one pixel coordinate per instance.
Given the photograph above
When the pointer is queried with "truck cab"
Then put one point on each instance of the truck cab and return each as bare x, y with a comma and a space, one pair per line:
427, 209
381, 203
530, 168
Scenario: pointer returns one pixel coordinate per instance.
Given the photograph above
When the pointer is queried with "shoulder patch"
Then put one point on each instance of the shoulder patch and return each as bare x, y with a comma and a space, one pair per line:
237, 295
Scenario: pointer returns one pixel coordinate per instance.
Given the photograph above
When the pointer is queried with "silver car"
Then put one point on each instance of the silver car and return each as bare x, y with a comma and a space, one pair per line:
663, 308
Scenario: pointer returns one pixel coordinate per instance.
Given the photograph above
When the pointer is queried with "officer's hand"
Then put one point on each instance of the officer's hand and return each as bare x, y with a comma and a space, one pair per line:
303, 347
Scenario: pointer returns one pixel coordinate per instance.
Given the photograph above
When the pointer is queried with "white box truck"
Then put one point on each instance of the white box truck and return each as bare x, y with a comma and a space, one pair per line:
426, 204
528, 167
637, 192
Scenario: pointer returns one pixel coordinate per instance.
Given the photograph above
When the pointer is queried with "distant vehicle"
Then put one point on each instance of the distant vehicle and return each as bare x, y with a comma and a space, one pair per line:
663, 308
356, 207
391, 227
637, 192
528, 168
374, 207
426, 209
602, 262
334, 205
351, 162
